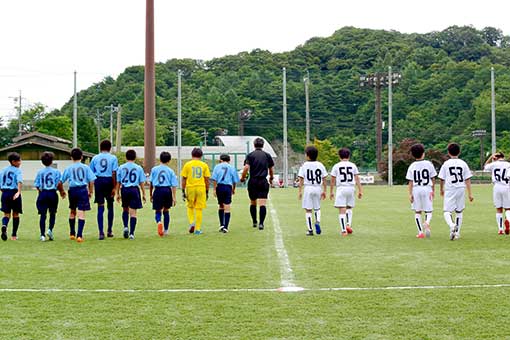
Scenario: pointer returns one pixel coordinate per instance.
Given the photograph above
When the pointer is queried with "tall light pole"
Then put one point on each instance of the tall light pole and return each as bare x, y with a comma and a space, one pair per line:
150, 90
112, 109
179, 126
307, 107
493, 113
480, 134
285, 146
18, 100
390, 128
75, 115
118, 139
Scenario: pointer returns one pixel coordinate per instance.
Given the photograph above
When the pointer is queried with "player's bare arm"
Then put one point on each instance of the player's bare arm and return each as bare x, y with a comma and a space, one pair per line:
151, 188
331, 185
433, 193
117, 189
245, 172
91, 189
174, 195
114, 178
441, 187
324, 188
18, 193
271, 176
61, 190
142, 188
358, 184
300, 191
183, 186
468, 188
214, 187
410, 191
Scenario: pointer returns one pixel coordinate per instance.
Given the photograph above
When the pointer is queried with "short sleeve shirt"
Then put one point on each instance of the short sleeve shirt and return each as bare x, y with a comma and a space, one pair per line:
163, 176
130, 174
500, 171
259, 162
195, 172
10, 177
313, 173
78, 174
225, 173
345, 173
421, 173
47, 179
104, 164
454, 172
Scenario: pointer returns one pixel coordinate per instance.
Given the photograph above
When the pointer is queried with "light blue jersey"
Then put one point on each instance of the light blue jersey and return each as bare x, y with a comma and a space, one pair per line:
104, 164
47, 179
78, 174
130, 174
163, 176
225, 173
10, 177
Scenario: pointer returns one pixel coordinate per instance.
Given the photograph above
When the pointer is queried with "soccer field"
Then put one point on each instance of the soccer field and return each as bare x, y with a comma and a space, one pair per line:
379, 283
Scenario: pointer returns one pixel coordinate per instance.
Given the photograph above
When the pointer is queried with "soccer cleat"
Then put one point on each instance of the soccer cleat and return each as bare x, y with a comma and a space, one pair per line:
72, 237
109, 234
309, 233
349, 230
198, 232
42, 238
255, 225
50, 235
507, 227
79, 239
225, 230
318, 228
4, 233
221, 229
160, 229
452, 233
501, 232
191, 229
165, 233
101, 237
126, 232
457, 235
14, 238
261, 226
420, 235
131, 237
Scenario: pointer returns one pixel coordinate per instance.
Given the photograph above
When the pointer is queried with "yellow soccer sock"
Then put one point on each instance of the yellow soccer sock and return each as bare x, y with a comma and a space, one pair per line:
199, 219
191, 215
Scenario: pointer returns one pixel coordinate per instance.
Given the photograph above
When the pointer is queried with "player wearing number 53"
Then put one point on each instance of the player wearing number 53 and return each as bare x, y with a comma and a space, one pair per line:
81, 187
130, 180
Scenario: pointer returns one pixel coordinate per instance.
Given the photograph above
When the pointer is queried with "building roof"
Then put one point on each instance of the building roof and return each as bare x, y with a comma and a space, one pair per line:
43, 136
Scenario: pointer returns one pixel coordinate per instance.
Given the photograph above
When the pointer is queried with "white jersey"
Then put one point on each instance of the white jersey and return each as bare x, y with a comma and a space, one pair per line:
313, 173
345, 172
454, 172
421, 173
500, 171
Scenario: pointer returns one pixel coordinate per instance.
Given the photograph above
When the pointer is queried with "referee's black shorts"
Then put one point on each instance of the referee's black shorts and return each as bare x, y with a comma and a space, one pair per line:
258, 187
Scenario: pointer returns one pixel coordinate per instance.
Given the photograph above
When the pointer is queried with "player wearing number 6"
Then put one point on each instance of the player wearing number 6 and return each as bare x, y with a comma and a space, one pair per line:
421, 176
345, 176
312, 175
162, 190
500, 170
455, 179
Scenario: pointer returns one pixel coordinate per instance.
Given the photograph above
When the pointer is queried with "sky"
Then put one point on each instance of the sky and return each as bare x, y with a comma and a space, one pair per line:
42, 43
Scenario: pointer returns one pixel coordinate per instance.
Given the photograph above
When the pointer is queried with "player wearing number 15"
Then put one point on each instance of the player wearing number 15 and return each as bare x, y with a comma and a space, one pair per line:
500, 170
81, 187
10, 184
224, 179
421, 176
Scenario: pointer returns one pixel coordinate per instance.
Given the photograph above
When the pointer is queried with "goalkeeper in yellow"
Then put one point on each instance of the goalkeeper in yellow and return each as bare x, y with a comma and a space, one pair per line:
195, 189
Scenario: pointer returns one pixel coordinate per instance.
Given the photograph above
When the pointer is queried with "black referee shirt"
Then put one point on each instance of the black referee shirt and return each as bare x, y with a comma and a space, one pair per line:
259, 161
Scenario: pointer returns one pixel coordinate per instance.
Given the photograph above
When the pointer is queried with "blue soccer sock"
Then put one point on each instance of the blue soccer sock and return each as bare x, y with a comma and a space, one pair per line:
227, 219
51, 223
110, 215
15, 225
125, 218
72, 229
166, 219
158, 216
132, 225
100, 219
221, 215
81, 226
42, 224
5, 221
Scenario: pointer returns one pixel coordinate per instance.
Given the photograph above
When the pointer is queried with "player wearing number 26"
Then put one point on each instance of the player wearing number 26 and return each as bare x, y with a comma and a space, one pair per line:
500, 170
345, 176
455, 179
81, 187
421, 176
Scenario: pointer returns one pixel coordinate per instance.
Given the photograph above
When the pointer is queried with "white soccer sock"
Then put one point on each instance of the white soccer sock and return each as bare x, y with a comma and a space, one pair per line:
349, 217
342, 222
318, 216
428, 217
448, 218
417, 220
458, 221
499, 220
308, 216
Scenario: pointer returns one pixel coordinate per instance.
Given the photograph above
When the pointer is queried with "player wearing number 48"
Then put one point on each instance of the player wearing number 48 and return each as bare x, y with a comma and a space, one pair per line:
500, 169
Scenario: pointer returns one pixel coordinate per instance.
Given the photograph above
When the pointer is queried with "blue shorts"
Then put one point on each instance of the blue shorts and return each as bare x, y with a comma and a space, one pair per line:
224, 193
103, 187
8, 204
162, 198
131, 197
79, 198
47, 200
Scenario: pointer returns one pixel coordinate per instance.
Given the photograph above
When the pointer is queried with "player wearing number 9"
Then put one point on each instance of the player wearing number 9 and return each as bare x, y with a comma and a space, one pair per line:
130, 181
81, 187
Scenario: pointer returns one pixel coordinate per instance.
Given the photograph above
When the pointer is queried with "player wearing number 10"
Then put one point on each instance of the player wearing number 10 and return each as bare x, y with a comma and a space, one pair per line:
500, 170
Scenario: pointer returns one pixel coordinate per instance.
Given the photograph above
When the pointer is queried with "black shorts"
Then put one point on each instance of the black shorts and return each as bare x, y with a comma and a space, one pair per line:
103, 187
131, 197
258, 187
47, 200
224, 193
79, 198
162, 198
8, 204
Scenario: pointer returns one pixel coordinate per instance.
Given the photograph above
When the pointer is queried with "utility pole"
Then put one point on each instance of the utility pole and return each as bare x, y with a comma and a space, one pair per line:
480, 134
18, 100
118, 141
150, 90
390, 127
179, 126
112, 110
98, 123
205, 134
75, 115
307, 107
285, 146
174, 133
493, 113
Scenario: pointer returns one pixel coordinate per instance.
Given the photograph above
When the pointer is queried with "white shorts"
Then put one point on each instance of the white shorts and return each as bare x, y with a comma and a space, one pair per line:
422, 200
501, 196
454, 200
344, 197
312, 197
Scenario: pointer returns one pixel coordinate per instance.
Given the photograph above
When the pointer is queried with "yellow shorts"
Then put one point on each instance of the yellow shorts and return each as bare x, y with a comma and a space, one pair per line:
196, 197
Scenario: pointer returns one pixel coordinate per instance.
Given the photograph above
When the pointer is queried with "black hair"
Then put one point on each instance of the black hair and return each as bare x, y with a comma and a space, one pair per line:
454, 149
258, 143
76, 154
131, 155
13, 157
499, 155
224, 157
105, 145
312, 152
417, 150
344, 153
165, 157
197, 153
47, 158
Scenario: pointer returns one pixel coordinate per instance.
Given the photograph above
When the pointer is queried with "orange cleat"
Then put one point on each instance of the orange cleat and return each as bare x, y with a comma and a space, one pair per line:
349, 230
72, 237
14, 238
160, 229
344, 233
79, 239
420, 235
507, 227
500, 232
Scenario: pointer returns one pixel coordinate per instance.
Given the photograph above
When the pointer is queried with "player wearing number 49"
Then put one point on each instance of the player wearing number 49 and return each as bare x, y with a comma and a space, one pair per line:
312, 175
500, 170
344, 176
455, 178
163, 182
421, 176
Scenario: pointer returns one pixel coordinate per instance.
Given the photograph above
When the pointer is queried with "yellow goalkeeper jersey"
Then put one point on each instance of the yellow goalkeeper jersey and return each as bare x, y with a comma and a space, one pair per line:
195, 171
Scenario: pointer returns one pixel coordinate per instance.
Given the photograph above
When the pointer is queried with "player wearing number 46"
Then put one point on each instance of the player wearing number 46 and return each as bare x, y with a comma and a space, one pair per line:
11, 180
455, 179
224, 179
421, 176
312, 175
47, 181
81, 187
500, 170
345, 176
130, 180
163, 183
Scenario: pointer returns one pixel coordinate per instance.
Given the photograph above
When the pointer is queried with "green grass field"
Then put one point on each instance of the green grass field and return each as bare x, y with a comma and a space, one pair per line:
224, 286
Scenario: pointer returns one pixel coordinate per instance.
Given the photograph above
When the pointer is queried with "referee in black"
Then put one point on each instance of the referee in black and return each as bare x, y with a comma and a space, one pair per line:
259, 163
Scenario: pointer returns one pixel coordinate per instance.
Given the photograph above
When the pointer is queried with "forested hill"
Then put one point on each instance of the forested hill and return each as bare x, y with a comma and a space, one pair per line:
443, 95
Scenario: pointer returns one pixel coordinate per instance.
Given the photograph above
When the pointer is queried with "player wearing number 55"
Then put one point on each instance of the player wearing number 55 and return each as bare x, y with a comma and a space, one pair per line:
81, 187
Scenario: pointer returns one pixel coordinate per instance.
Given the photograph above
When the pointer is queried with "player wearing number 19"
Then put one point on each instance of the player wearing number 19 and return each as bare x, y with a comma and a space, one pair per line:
11, 181
500, 170
81, 187
162, 190
421, 176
